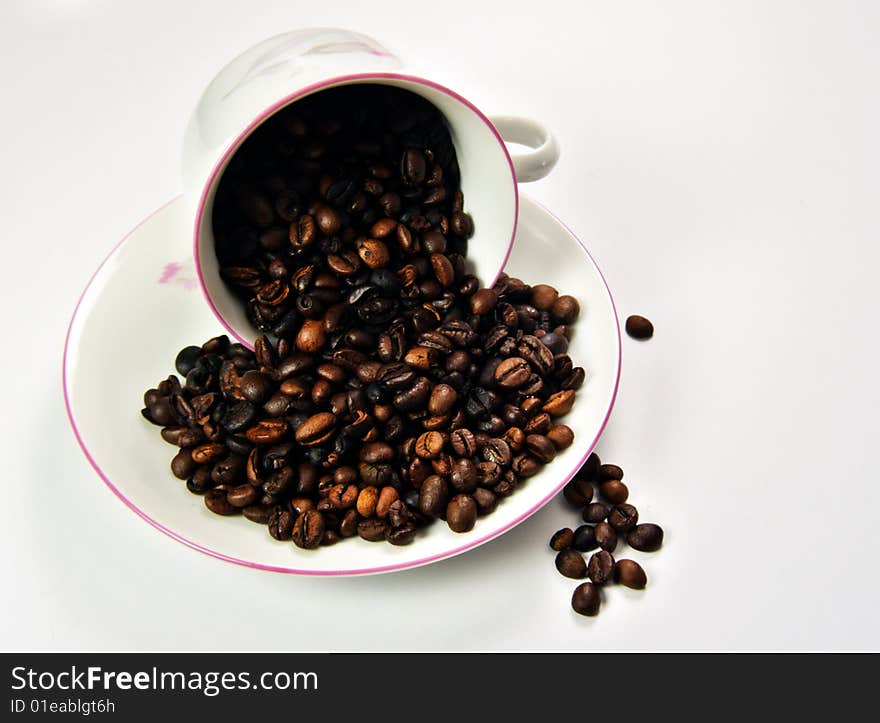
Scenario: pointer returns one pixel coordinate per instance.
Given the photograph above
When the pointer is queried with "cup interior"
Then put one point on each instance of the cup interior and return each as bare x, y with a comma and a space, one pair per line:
487, 181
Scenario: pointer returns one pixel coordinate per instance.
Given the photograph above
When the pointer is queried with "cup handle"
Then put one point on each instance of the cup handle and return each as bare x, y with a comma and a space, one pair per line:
539, 161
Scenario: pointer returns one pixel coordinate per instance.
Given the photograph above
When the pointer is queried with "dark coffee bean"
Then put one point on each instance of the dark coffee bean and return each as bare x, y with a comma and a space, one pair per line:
483, 301
183, 465
498, 451
578, 492
589, 468
317, 429
623, 518
615, 491
525, 465
215, 500
442, 400
512, 373
433, 495
561, 436
638, 327
258, 513
630, 574
308, 530
486, 500
571, 564
186, 359
601, 567
412, 167
238, 416
540, 447
242, 496
584, 539
646, 537
544, 296
463, 442
565, 310
269, 431
596, 512
609, 471
461, 513
254, 386
606, 536
373, 529
559, 403
463, 477
430, 444
562, 539
585, 599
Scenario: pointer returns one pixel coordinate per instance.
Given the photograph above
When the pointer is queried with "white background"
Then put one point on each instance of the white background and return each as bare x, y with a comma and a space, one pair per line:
721, 162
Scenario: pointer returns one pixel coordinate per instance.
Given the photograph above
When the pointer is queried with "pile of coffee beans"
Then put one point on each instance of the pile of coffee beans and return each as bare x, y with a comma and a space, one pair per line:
389, 389
606, 521
373, 440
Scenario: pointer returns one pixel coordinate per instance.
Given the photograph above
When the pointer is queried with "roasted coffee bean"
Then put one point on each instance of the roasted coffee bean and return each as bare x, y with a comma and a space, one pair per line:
512, 373
187, 359
442, 400
387, 497
638, 327
402, 535
255, 386
183, 465
585, 599
413, 167
463, 442
615, 491
571, 564
461, 513
216, 501
561, 436
260, 514
606, 536
646, 537
562, 539
433, 495
600, 569
430, 444
308, 530
596, 512
544, 296
206, 453
584, 539
486, 500
630, 574
623, 518
483, 301
280, 523
269, 431
608, 472
525, 465
317, 429
343, 496
540, 447
565, 310
463, 476
559, 403
498, 451
373, 529
578, 492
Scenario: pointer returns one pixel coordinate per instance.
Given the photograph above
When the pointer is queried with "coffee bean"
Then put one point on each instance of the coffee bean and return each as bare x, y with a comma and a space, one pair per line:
433, 495
601, 567
578, 492
186, 359
623, 518
183, 465
483, 301
442, 400
373, 529
463, 476
585, 599
571, 564
242, 496
402, 535
486, 500
608, 472
565, 310
387, 497
562, 539
544, 296
255, 386
606, 536
615, 491
630, 574
463, 442
559, 403
280, 523
596, 512
215, 500
540, 447
512, 373
561, 436
584, 539
258, 513
497, 451
646, 537
317, 429
430, 444
308, 530
461, 513
638, 327
412, 167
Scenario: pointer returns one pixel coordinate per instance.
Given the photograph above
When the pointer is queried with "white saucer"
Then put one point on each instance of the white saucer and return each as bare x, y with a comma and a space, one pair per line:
143, 305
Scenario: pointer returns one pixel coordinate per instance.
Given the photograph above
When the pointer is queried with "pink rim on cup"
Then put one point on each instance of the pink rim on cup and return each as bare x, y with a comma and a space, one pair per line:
279, 71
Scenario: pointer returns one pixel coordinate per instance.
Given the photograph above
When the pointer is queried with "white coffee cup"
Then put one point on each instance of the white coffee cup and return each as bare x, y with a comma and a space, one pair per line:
284, 69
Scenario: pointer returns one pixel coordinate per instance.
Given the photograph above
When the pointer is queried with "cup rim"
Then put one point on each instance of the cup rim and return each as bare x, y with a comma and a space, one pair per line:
270, 110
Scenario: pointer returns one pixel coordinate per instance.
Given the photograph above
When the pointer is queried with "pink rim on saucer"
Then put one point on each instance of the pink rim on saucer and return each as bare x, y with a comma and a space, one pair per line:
469, 544
275, 107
